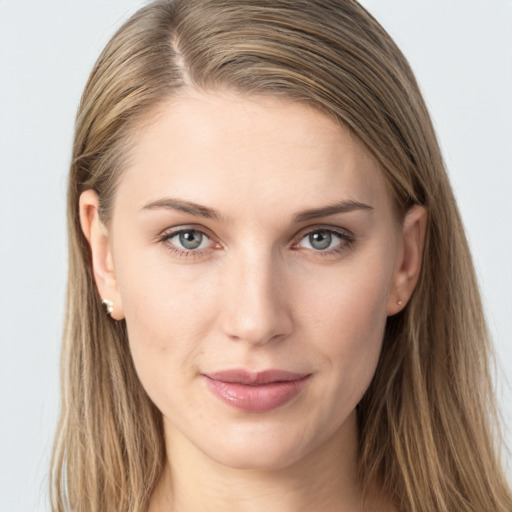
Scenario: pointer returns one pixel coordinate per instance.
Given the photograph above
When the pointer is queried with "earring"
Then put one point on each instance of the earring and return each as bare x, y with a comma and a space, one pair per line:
399, 302
108, 305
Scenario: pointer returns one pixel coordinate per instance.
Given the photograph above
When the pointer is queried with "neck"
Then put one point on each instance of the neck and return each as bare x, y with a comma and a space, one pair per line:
325, 479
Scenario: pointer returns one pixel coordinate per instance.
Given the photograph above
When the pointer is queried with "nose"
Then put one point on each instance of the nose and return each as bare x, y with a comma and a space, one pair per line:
255, 306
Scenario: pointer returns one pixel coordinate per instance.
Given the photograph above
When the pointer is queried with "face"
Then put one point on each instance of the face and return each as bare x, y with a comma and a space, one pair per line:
254, 255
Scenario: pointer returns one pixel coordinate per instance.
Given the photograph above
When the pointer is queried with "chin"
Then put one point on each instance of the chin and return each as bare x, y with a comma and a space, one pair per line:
257, 447
258, 458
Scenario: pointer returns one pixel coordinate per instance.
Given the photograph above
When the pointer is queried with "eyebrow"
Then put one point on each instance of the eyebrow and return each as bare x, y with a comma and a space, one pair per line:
341, 207
197, 210
206, 212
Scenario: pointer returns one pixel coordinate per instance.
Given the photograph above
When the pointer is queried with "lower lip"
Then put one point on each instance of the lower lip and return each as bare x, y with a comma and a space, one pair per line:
261, 398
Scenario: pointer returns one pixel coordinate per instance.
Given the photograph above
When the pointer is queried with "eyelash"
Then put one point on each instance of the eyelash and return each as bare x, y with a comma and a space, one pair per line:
347, 239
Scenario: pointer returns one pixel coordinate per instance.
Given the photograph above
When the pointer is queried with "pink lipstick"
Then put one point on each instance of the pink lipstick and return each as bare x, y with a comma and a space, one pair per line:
256, 392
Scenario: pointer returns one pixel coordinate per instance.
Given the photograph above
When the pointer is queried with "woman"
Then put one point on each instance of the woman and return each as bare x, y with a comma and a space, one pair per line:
258, 202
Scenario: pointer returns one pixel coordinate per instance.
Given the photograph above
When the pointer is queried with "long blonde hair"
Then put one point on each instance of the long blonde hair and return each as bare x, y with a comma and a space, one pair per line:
427, 422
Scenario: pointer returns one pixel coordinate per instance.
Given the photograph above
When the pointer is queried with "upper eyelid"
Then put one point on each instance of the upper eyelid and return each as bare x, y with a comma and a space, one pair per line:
170, 232
332, 229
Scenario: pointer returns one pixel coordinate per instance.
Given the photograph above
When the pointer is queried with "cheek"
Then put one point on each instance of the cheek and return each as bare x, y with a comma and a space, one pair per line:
347, 317
168, 310
164, 300
349, 303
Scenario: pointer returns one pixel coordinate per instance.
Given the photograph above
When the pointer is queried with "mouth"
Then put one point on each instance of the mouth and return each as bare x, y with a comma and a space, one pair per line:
256, 391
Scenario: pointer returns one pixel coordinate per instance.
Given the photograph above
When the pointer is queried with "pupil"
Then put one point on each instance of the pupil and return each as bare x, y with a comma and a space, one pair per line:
320, 240
191, 239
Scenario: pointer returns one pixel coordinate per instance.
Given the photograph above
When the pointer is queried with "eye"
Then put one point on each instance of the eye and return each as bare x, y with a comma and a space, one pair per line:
188, 239
324, 240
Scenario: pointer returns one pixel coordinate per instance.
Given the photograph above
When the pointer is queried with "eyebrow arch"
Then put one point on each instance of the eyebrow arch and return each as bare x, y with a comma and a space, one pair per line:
341, 207
199, 210
180, 205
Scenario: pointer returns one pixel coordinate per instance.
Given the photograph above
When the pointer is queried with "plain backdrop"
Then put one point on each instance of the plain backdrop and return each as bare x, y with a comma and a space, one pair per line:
461, 51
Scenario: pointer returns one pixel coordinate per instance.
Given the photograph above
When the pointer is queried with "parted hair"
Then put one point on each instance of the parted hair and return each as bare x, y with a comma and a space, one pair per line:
427, 424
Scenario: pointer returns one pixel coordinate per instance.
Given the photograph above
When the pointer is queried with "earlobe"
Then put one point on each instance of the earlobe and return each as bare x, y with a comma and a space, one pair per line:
410, 257
97, 236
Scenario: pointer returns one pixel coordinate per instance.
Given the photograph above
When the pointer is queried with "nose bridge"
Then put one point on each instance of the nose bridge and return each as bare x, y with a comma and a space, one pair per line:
254, 305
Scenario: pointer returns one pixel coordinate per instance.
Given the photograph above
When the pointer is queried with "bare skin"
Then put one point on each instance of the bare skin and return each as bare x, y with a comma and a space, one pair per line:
255, 234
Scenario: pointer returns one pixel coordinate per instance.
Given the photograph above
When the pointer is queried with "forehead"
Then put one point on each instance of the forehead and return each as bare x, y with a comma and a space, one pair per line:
245, 154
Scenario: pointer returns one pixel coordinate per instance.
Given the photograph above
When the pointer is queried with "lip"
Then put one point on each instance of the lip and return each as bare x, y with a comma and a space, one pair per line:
256, 391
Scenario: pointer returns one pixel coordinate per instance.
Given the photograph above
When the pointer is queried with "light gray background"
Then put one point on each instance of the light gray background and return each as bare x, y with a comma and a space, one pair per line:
461, 51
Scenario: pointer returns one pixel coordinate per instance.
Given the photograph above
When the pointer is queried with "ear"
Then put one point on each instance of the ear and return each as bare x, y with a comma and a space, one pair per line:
97, 235
410, 255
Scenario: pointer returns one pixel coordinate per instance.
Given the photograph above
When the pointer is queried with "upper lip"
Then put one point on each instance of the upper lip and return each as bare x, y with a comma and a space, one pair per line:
241, 376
